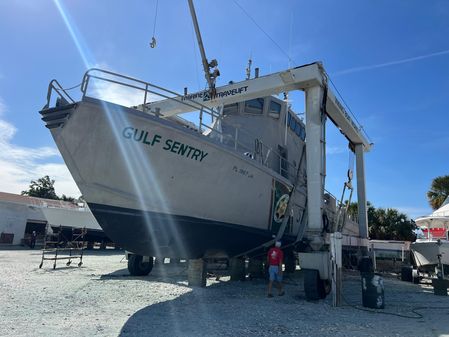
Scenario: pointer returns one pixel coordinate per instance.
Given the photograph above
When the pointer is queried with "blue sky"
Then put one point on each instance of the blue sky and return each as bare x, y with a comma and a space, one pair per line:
388, 58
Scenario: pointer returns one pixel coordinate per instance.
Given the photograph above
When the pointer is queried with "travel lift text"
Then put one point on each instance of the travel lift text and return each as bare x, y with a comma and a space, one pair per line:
142, 136
205, 95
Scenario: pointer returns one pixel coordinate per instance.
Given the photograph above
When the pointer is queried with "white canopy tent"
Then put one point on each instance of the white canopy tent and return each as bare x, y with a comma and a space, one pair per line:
438, 219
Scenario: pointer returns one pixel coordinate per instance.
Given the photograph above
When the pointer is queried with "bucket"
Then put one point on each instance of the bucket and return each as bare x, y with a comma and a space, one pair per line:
373, 295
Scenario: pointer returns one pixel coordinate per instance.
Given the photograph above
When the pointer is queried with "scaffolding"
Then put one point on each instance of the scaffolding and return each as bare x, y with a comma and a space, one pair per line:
63, 244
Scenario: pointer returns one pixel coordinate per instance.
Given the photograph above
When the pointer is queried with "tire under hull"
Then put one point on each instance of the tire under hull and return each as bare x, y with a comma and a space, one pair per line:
157, 234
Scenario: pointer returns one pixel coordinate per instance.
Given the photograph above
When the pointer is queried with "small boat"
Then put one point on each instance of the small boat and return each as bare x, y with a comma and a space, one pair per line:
432, 244
426, 252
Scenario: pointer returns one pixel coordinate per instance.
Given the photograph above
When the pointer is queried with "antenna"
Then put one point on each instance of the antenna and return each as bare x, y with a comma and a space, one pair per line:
211, 76
248, 69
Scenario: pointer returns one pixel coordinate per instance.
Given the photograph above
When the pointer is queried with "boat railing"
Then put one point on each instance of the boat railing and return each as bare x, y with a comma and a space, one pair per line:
147, 89
97, 84
55, 87
258, 150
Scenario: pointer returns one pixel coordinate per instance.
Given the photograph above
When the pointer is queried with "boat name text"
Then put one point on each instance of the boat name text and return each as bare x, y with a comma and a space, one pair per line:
144, 137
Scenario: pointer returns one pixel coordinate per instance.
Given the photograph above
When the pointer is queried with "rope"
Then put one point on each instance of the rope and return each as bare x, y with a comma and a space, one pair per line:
414, 310
71, 88
290, 38
351, 161
347, 106
292, 60
263, 31
195, 52
153, 39
155, 18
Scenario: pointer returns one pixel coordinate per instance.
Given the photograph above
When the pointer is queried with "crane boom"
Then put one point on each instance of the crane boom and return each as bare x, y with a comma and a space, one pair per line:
206, 65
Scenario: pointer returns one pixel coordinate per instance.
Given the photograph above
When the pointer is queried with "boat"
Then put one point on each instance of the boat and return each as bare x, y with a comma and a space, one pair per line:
432, 244
162, 186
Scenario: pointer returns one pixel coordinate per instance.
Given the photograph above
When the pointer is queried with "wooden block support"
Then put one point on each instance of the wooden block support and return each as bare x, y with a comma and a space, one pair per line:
440, 286
255, 268
237, 266
196, 273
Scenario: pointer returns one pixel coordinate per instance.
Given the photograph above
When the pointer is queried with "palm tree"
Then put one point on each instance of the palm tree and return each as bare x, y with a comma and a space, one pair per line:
439, 191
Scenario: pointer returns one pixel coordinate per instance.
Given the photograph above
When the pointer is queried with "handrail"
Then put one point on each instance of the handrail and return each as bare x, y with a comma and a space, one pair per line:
192, 104
54, 85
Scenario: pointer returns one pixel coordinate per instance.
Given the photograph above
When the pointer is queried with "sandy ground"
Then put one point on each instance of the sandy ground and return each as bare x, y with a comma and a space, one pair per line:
100, 299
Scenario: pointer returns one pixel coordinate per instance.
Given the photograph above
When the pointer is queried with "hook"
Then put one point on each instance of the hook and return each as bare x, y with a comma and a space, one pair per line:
153, 42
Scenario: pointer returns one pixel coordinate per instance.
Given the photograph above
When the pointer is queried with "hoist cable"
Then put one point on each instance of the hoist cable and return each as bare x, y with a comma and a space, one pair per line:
263, 31
195, 52
292, 60
153, 39
351, 161
347, 106
155, 18
290, 39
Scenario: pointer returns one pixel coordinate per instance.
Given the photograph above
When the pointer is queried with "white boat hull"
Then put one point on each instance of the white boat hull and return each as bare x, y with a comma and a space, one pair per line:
426, 252
160, 189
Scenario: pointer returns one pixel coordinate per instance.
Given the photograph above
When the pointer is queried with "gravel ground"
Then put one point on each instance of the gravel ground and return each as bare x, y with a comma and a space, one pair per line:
100, 299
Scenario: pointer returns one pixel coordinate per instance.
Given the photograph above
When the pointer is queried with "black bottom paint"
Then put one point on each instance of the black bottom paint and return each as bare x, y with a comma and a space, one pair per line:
158, 234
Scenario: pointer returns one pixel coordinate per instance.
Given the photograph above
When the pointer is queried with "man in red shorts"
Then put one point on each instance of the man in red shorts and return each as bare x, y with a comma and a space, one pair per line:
275, 258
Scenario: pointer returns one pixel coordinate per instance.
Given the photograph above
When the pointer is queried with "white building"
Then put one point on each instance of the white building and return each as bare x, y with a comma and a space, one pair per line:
21, 215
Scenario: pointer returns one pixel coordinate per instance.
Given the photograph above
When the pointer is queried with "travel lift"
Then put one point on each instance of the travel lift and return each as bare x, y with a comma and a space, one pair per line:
323, 264
320, 104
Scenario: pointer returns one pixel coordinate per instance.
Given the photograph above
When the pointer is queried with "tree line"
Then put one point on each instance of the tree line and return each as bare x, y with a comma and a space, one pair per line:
386, 223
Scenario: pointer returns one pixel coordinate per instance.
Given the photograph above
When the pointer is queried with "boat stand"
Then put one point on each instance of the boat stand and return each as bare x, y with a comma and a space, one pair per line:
58, 246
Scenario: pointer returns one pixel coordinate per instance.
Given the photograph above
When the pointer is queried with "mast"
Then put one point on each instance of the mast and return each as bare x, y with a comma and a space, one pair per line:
210, 76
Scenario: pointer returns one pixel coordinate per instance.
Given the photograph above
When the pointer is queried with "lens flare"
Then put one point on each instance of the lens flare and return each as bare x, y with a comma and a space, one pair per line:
138, 165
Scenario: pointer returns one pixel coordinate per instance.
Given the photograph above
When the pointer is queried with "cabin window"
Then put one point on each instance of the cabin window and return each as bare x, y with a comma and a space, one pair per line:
293, 124
275, 109
296, 126
300, 132
231, 109
254, 106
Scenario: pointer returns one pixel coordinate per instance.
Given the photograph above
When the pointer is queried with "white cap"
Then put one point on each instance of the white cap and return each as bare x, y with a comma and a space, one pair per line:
278, 244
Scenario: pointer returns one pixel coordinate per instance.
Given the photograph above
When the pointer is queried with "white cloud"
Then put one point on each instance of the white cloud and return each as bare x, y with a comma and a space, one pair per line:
336, 149
119, 93
389, 64
19, 165
2, 106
